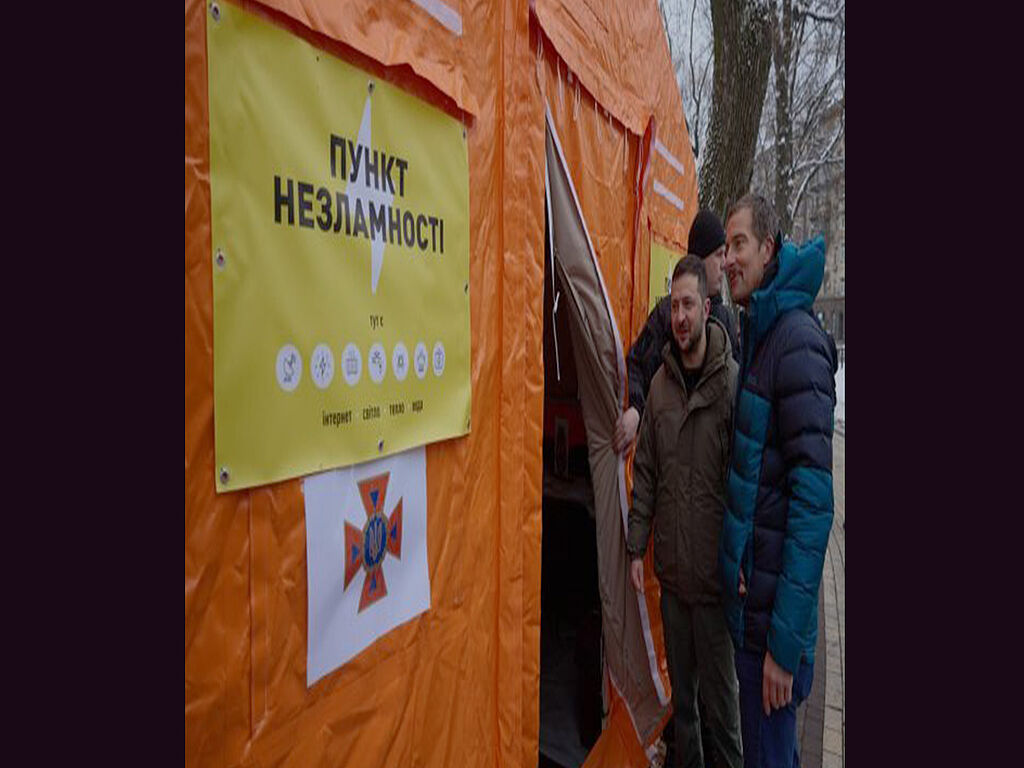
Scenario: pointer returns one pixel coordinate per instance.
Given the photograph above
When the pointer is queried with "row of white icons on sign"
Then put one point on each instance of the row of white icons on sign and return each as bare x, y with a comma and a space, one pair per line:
321, 366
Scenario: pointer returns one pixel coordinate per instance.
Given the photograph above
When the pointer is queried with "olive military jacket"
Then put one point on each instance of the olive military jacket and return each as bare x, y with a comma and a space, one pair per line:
679, 470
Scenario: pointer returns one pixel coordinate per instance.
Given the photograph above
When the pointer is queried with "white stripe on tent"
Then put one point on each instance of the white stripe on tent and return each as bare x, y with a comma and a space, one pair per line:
645, 619
663, 151
444, 14
667, 193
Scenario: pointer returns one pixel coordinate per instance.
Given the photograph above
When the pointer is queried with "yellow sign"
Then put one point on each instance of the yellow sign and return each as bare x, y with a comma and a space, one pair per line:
663, 261
340, 248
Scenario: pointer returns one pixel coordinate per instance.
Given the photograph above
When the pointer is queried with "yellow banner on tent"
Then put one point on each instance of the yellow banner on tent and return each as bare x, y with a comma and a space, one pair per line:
340, 248
663, 261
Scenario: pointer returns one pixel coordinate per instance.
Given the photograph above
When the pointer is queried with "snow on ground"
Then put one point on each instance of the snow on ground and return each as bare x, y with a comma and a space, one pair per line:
841, 397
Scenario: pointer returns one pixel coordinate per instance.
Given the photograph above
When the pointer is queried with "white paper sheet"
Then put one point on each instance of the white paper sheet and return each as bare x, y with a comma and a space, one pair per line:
338, 628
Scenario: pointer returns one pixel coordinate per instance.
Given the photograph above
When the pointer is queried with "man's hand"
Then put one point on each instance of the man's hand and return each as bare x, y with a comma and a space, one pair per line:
743, 584
625, 429
776, 686
636, 574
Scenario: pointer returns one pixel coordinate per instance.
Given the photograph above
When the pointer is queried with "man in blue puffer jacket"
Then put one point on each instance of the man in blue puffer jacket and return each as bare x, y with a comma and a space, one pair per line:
779, 494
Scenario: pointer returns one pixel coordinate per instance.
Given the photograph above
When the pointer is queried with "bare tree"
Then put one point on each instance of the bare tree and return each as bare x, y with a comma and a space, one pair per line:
667, 17
742, 59
808, 136
782, 59
700, 61
689, 41
789, 139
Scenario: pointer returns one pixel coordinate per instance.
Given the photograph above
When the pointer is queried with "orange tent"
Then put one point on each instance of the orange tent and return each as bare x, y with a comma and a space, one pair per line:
459, 685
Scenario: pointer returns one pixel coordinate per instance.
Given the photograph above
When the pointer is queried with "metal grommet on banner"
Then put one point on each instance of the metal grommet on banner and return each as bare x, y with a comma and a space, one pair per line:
220, 259
215, 11
369, 88
225, 476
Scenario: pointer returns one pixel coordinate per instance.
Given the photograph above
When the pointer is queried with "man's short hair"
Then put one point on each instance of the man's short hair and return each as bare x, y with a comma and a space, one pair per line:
765, 220
692, 264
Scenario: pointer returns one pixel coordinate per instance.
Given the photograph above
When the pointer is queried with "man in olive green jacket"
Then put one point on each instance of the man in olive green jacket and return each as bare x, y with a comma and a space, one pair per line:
679, 474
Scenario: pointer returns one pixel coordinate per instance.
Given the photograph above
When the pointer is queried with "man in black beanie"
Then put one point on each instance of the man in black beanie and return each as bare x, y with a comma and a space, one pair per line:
706, 240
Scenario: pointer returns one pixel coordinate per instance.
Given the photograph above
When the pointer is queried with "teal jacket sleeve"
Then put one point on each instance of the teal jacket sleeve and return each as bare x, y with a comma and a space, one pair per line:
805, 401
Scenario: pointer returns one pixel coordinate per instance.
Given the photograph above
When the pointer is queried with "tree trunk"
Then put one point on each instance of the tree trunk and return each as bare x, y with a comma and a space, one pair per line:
782, 49
742, 39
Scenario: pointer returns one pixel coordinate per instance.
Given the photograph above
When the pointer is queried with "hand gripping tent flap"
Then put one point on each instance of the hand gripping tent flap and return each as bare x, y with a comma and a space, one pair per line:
579, 159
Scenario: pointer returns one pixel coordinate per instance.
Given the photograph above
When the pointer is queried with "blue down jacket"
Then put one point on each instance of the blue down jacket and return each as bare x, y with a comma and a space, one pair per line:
779, 492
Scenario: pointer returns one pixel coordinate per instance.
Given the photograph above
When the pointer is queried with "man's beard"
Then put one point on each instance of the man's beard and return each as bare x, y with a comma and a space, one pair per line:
696, 334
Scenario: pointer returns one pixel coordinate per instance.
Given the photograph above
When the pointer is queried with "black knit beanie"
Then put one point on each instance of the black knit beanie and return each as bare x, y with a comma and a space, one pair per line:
706, 234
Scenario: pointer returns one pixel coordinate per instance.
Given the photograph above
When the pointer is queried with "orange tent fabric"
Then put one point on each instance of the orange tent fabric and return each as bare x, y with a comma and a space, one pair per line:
460, 684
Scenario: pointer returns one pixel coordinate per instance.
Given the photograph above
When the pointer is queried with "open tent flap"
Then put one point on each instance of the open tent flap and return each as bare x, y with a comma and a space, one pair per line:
629, 645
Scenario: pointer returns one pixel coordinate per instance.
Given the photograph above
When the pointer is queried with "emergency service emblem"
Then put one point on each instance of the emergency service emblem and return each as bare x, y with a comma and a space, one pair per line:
382, 535
366, 555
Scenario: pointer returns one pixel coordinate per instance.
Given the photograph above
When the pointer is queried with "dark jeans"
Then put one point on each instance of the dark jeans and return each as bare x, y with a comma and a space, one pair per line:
700, 653
769, 742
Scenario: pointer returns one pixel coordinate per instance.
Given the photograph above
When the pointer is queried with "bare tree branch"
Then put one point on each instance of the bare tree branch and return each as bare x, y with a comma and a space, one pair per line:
820, 164
698, 101
797, 48
835, 160
833, 19
694, 136
693, 14
802, 104
668, 34
811, 113
782, 56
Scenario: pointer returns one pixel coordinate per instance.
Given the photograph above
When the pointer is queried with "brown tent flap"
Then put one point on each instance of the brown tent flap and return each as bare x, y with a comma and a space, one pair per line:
629, 645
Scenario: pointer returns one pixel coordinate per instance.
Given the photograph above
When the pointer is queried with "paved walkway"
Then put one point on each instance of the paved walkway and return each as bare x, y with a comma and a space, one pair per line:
840, 411
834, 586
821, 721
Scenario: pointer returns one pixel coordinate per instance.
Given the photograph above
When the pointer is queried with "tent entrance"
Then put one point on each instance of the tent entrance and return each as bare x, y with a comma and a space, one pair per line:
571, 700
585, 386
